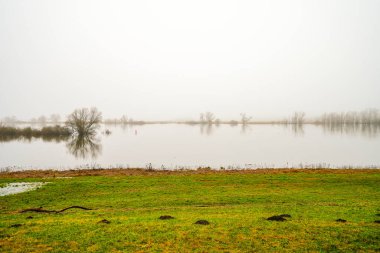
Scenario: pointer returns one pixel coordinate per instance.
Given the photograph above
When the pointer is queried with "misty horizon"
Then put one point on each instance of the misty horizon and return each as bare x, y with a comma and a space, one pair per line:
172, 60
370, 115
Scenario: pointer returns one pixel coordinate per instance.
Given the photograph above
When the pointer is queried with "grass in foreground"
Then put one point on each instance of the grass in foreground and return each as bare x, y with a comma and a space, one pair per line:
235, 203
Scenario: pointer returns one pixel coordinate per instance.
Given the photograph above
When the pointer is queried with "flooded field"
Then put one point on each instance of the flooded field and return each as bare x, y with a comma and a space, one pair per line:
175, 146
14, 188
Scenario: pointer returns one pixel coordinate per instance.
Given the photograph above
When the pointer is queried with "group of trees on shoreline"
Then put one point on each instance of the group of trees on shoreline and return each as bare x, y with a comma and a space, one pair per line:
80, 123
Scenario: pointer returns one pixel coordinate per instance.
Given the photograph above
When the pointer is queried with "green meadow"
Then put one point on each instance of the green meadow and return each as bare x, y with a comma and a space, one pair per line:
126, 210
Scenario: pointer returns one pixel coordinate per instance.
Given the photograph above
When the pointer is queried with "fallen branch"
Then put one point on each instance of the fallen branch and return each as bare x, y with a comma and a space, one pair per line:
79, 207
41, 210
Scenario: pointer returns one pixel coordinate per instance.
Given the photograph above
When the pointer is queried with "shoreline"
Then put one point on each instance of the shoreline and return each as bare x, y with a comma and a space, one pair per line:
154, 172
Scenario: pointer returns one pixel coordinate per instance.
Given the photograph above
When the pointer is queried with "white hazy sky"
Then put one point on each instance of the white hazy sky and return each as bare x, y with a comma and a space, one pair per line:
175, 59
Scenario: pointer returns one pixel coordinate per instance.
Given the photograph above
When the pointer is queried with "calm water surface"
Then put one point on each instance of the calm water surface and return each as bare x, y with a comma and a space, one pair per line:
176, 146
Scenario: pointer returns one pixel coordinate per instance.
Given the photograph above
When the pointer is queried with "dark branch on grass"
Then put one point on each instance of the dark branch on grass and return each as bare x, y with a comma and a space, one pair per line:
41, 210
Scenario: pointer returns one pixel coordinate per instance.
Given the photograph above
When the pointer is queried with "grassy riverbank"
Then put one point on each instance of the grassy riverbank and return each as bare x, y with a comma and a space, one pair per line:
236, 204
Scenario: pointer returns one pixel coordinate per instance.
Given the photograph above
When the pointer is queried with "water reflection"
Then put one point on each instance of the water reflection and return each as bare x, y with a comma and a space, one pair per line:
245, 128
206, 129
298, 129
366, 130
56, 139
209, 129
84, 146
191, 146
80, 146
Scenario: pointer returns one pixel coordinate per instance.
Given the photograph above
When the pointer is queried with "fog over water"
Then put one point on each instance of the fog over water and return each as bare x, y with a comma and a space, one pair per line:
163, 60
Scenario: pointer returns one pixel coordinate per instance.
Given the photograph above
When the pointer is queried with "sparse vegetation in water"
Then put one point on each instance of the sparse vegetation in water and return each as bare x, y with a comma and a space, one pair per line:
127, 206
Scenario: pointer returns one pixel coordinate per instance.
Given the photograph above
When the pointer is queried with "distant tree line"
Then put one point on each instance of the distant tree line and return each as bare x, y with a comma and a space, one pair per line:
124, 120
297, 118
369, 116
53, 119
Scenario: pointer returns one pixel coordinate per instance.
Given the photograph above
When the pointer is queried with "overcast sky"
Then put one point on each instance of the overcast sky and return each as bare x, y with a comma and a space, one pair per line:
175, 59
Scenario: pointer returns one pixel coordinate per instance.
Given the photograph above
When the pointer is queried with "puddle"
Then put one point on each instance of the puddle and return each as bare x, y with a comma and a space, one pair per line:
14, 188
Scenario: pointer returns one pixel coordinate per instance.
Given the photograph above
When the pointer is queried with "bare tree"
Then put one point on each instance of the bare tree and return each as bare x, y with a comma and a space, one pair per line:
124, 119
84, 121
202, 118
209, 117
298, 118
245, 119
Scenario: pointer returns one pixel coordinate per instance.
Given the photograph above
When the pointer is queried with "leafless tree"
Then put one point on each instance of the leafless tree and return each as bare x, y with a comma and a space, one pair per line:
209, 117
298, 118
202, 118
124, 119
245, 119
84, 121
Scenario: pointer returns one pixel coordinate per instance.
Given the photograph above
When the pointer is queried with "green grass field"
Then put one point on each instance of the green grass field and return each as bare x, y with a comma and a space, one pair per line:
235, 203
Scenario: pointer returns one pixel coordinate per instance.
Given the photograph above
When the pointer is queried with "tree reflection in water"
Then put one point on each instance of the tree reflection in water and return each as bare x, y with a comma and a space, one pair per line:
298, 129
84, 146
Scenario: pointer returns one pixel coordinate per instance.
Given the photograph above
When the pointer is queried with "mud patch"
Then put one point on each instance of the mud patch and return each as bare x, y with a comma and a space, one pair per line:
279, 217
15, 188
276, 218
15, 225
104, 221
202, 222
166, 217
